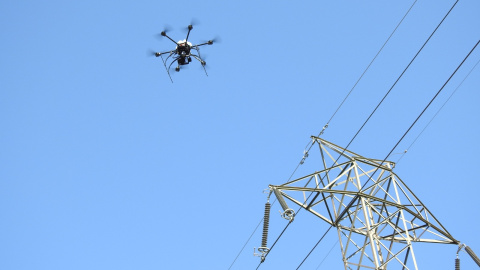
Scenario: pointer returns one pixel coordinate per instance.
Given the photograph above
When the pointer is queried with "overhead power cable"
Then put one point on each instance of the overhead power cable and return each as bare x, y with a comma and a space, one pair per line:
401, 75
311, 143
431, 120
333, 115
321, 238
326, 255
391, 151
373, 112
248, 240
371, 62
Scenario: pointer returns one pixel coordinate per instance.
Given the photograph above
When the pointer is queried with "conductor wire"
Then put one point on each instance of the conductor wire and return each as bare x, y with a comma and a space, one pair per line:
371, 62
360, 129
431, 120
401, 75
373, 112
310, 144
406, 132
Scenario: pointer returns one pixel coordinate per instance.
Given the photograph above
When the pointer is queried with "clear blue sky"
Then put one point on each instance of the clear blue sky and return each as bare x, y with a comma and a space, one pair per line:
105, 164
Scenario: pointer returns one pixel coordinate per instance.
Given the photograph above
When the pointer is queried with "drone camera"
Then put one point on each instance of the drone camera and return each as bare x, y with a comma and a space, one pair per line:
177, 69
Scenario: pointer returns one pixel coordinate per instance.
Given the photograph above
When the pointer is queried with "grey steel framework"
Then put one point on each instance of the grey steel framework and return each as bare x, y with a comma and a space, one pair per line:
376, 215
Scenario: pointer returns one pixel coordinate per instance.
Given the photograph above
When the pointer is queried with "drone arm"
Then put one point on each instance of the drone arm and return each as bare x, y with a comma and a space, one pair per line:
197, 57
165, 35
157, 54
200, 45
210, 42
190, 27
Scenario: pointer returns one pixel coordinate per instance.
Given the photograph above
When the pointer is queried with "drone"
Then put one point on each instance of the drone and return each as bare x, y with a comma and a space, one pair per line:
182, 54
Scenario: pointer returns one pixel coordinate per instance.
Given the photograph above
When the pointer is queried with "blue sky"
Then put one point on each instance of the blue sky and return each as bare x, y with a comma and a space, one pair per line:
105, 164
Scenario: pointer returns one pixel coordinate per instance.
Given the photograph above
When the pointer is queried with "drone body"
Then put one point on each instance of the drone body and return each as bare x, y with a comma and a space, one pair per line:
182, 54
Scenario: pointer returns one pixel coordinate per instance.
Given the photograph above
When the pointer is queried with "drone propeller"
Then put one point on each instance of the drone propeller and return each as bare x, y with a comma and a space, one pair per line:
216, 39
203, 61
210, 42
151, 52
193, 22
166, 29
164, 32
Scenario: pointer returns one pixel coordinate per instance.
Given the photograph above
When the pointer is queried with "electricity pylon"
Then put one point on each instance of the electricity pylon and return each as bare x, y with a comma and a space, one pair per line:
376, 215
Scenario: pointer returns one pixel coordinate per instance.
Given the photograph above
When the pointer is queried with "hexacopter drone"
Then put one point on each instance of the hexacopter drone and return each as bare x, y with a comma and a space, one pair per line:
182, 53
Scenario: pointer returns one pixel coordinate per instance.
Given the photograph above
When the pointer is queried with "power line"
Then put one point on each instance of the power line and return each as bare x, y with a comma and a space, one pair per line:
321, 238
333, 115
373, 112
248, 240
326, 255
311, 143
371, 62
378, 105
406, 132
448, 99
401, 75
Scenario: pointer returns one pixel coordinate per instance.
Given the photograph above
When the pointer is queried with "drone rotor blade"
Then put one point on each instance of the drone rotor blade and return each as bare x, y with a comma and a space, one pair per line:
150, 52
165, 31
211, 41
193, 22
203, 59
164, 34
216, 39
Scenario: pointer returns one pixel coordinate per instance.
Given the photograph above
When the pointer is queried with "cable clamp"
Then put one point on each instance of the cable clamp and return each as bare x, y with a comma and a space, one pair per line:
323, 129
305, 155
263, 253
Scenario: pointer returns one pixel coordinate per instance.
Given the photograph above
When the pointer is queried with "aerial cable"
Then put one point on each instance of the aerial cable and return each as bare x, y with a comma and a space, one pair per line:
334, 245
310, 144
388, 92
401, 75
411, 126
434, 97
431, 120
371, 62
248, 240
314, 247
391, 151
360, 129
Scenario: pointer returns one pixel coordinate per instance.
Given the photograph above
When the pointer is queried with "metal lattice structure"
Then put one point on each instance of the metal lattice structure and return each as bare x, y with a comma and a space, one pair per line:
376, 215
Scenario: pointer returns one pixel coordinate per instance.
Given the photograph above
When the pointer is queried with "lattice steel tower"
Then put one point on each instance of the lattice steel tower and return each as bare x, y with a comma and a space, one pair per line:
376, 215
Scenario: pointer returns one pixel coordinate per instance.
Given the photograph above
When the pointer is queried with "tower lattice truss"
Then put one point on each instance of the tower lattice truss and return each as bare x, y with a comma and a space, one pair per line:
376, 215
